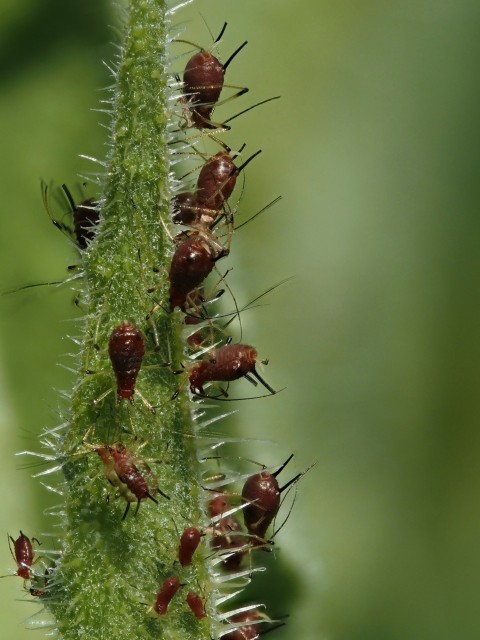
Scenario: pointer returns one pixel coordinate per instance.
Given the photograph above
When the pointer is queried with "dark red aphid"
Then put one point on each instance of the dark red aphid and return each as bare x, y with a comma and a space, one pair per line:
126, 349
188, 545
196, 604
85, 218
203, 80
216, 182
228, 363
227, 533
192, 262
185, 210
262, 494
121, 468
250, 630
169, 588
22, 554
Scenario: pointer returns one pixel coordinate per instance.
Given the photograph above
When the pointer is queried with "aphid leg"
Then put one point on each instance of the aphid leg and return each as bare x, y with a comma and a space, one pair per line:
102, 397
262, 381
144, 400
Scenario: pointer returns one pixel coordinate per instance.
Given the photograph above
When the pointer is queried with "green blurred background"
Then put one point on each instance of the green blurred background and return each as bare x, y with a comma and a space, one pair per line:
374, 148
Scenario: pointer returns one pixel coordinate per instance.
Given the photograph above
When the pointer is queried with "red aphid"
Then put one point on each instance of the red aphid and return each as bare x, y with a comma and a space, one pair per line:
203, 80
196, 604
227, 533
192, 262
169, 588
185, 209
188, 545
121, 470
228, 363
216, 183
23, 554
262, 494
249, 630
126, 349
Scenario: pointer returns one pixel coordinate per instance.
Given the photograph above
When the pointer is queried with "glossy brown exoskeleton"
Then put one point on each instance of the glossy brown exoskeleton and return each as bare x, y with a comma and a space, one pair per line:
169, 588
196, 604
262, 492
228, 363
22, 554
126, 349
227, 533
189, 542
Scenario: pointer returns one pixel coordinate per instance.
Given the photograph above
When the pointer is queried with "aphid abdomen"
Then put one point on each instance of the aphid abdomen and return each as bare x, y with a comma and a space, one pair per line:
126, 349
203, 82
185, 209
216, 181
23, 552
226, 364
192, 262
188, 545
196, 604
262, 493
169, 588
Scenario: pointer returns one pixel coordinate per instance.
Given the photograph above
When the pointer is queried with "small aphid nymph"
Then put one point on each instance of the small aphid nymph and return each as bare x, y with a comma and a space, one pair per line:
169, 588
189, 542
126, 349
22, 554
196, 604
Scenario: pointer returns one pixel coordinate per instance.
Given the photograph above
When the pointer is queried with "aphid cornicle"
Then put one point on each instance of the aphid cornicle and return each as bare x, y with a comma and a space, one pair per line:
126, 349
228, 363
192, 262
169, 588
189, 542
22, 554
262, 492
203, 81
196, 604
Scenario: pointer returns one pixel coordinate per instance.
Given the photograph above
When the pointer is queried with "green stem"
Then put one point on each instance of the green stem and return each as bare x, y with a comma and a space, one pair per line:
111, 569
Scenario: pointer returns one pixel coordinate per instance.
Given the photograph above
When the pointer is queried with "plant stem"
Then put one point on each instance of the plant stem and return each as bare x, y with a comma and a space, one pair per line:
111, 569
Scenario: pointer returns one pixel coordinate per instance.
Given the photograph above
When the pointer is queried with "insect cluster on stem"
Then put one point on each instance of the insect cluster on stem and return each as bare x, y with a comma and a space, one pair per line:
239, 511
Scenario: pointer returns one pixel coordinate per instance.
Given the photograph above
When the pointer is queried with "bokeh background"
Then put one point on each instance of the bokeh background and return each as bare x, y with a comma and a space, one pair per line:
375, 150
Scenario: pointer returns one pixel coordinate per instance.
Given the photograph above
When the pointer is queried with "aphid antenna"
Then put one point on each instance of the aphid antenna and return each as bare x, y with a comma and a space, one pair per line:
265, 208
253, 106
221, 398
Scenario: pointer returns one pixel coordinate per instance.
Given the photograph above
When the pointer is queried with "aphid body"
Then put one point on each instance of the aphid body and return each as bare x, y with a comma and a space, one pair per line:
228, 363
189, 542
227, 533
169, 588
23, 555
85, 219
216, 181
192, 262
203, 80
196, 604
126, 349
262, 493
121, 470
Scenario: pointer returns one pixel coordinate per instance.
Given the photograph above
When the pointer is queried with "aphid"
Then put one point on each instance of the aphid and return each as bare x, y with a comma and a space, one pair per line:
121, 468
228, 363
250, 629
203, 81
85, 217
227, 533
169, 588
192, 262
262, 494
196, 604
22, 554
126, 349
216, 182
188, 545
